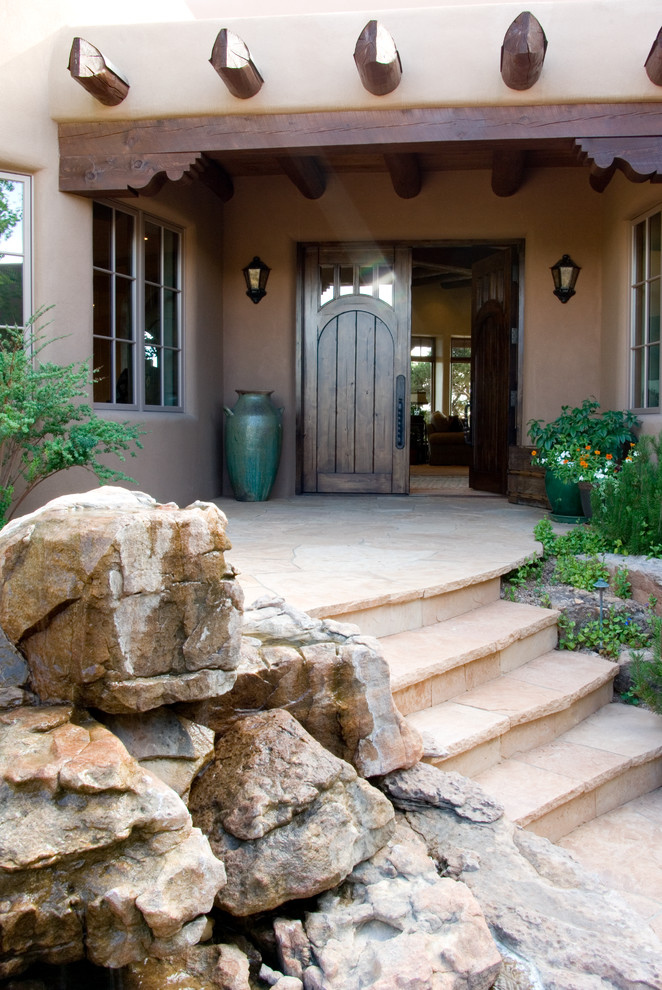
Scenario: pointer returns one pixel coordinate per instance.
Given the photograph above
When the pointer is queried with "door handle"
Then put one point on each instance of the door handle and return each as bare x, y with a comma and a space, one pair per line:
400, 396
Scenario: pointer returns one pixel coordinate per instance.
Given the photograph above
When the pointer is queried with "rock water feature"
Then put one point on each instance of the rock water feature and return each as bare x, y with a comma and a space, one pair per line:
197, 797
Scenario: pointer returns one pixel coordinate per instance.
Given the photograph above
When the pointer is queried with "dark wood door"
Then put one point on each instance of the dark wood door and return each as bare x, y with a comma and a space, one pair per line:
492, 370
356, 370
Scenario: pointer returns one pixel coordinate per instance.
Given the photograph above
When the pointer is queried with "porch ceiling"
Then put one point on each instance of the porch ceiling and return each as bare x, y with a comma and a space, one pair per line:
116, 157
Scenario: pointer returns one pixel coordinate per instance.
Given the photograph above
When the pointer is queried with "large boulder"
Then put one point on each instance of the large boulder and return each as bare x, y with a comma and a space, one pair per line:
98, 857
172, 747
203, 967
287, 817
548, 910
334, 681
393, 925
120, 603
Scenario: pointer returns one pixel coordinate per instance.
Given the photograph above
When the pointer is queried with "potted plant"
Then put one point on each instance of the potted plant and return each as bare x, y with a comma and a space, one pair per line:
580, 445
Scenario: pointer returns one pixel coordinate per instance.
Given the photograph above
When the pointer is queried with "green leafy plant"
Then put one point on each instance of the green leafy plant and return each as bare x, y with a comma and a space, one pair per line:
647, 674
580, 539
627, 508
580, 572
544, 533
44, 426
620, 583
618, 629
517, 578
582, 444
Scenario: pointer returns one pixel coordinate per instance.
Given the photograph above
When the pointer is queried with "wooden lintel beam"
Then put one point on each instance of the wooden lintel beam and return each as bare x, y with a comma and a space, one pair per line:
653, 64
405, 173
523, 52
391, 129
507, 172
232, 61
96, 74
307, 174
377, 60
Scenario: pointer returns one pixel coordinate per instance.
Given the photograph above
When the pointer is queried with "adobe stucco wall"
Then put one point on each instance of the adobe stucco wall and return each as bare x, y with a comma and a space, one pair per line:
450, 57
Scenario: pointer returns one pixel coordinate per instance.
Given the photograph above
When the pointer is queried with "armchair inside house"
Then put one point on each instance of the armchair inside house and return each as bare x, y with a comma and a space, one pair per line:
446, 437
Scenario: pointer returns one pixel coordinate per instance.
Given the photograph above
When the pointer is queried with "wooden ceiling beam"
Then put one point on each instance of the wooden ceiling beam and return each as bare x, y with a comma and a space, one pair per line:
96, 74
523, 52
307, 174
653, 64
377, 60
405, 173
232, 61
507, 171
213, 175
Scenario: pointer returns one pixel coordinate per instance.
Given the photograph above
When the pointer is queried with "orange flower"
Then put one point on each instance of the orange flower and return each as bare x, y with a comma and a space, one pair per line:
587, 447
597, 452
534, 453
609, 457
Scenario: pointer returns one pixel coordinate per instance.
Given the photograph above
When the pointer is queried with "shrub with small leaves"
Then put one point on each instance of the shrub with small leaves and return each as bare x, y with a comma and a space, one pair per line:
45, 428
647, 674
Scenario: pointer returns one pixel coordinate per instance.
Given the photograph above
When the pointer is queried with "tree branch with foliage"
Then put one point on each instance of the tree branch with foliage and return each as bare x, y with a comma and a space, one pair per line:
44, 427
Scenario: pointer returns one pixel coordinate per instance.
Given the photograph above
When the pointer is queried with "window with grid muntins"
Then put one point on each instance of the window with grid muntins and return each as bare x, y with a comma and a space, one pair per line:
645, 320
137, 323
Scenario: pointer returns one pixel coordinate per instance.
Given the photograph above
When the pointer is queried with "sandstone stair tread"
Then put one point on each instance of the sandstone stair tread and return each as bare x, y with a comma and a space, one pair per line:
547, 685
602, 748
434, 649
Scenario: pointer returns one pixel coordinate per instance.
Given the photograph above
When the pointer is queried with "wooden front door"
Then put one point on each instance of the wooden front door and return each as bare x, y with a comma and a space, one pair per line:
493, 369
355, 364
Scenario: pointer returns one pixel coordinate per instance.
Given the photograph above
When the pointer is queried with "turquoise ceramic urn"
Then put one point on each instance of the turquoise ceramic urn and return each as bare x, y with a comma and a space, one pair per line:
253, 436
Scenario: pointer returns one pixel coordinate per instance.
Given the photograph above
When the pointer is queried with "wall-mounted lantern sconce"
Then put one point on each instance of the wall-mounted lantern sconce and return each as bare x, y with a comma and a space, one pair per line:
565, 273
256, 275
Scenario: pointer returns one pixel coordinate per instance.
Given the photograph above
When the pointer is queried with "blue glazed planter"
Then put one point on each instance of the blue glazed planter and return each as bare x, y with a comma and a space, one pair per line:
253, 436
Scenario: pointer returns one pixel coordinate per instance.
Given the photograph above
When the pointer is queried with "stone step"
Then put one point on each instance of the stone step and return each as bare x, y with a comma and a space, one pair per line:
528, 707
608, 759
436, 662
387, 615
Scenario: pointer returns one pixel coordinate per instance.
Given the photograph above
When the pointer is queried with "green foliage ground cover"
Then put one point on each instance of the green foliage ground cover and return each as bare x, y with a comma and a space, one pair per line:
576, 560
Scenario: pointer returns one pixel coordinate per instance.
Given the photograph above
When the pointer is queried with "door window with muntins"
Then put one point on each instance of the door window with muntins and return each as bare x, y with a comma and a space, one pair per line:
374, 280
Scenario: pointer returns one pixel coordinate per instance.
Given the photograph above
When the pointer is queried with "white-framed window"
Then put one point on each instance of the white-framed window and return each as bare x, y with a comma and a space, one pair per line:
137, 321
15, 249
645, 311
